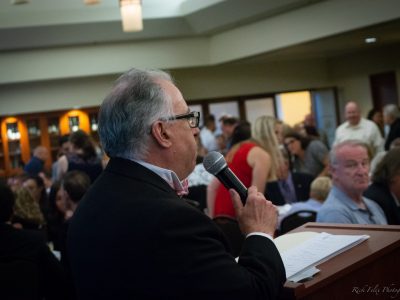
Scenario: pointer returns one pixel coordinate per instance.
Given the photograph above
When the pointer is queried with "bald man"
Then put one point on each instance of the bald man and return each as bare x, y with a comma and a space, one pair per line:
36, 163
357, 128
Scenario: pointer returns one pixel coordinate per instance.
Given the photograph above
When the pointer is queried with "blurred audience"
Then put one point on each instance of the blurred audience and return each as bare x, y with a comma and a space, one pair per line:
36, 164
57, 215
207, 134
27, 213
375, 115
74, 186
82, 157
385, 187
64, 148
378, 157
35, 185
28, 269
228, 124
15, 182
391, 115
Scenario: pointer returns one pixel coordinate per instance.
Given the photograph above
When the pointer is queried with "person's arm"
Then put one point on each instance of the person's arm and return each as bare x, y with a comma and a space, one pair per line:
321, 154
257, 215
325, 170
260, 162
259, 273
211, 195
62, 167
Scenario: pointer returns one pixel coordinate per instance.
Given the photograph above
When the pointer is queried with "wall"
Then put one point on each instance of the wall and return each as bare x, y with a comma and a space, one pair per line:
349, 73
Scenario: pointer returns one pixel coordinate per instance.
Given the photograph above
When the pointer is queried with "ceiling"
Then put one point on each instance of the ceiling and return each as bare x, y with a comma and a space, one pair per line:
387, 36
61, 23
54, 23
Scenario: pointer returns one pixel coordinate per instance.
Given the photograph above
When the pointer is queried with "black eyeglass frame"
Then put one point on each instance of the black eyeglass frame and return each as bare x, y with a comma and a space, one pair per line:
190, 116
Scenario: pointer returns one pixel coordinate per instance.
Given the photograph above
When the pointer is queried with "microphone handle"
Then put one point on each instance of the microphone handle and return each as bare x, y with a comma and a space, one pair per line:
230, 181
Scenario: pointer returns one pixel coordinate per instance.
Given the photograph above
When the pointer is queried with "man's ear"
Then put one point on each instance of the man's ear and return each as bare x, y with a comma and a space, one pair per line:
161, 134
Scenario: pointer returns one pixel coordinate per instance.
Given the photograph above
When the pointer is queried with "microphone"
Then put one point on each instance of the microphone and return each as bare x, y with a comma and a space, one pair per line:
215, 163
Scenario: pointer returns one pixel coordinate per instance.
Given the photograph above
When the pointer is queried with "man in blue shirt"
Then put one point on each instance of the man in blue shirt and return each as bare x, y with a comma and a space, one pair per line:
349, 167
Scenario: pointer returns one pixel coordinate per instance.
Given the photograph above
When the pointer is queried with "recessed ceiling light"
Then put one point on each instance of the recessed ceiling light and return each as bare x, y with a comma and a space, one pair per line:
91, 2
16, 2
370, 40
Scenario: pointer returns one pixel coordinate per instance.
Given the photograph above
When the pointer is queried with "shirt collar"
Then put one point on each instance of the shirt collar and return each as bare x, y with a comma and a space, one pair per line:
358, 125
180, 187
346, 200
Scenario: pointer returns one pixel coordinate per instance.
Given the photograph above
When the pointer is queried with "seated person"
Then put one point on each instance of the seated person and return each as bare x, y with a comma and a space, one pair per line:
290, 187
319, 190
349, 166
308, 155
28, 269
385, 187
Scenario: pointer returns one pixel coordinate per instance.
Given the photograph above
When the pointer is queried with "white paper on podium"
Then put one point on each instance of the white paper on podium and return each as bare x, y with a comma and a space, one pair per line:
304, 250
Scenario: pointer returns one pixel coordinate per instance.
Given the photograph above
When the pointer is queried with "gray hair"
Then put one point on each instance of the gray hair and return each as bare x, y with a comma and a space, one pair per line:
388, 167
135, 102
391, 110
352, 143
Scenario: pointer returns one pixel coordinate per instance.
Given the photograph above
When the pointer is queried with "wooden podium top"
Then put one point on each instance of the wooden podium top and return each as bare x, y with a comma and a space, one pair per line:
369, 269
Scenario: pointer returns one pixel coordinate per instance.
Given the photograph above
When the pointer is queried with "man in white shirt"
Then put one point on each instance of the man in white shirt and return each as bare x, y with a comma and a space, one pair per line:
358, 128
207, 136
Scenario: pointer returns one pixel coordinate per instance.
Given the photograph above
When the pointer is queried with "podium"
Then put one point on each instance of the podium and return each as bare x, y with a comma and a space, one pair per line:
370, 270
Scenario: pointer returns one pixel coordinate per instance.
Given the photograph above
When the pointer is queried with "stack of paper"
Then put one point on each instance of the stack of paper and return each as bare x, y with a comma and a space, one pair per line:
311, 249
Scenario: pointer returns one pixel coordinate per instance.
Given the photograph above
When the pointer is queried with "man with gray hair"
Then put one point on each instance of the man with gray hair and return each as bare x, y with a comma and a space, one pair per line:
349, 167
391, 117
134, 237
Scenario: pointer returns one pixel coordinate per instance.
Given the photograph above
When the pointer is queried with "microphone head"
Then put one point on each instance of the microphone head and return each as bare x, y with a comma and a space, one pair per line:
214, 162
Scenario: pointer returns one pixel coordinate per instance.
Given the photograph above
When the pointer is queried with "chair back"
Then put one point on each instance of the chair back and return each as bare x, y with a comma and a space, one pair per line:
297, 219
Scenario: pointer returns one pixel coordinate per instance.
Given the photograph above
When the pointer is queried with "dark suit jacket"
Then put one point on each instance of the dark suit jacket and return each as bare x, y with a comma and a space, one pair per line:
381, 195
133, 238
28, 269
301, 181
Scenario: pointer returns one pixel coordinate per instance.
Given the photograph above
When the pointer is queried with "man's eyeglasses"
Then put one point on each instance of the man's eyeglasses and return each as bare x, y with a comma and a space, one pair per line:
193, 118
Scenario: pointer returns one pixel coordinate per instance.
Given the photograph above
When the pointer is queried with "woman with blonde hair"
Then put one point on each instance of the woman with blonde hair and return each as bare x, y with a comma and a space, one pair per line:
265, 132
27, 213
251, 160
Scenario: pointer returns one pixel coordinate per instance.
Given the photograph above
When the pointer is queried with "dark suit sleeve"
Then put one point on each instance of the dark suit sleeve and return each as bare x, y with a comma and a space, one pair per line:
53, 281
192, 249
273, 193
